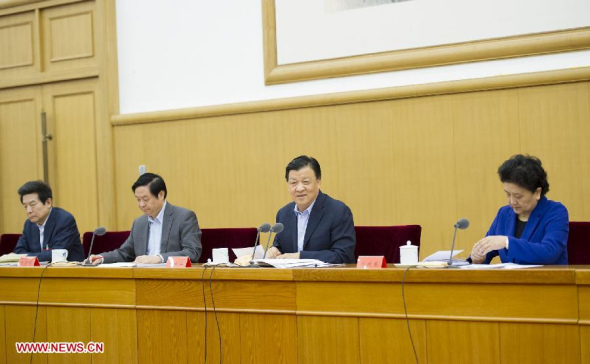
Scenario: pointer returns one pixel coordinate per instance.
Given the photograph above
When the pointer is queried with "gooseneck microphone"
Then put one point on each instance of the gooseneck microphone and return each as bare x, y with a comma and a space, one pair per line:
264, 228
276, 228
100, 231
461, 224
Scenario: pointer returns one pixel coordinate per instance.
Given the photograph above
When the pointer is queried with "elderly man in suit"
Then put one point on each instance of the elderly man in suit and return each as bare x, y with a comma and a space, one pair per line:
316, 225
164, 230
47, 227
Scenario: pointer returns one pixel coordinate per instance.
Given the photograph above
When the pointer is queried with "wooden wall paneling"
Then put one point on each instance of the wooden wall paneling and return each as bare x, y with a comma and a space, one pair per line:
128, 155
338, 338
463, 342
268, 338
424, 169
72, 325
539, 343
72, 117
555, 125
229, 331
313, 132
486, 133
17, 44
21, 321
365, 161
69, 36
20, 151
162, 336
117, 329
388, 341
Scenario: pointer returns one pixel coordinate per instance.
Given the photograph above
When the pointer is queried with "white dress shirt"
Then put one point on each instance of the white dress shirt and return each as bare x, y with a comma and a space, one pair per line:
302, 220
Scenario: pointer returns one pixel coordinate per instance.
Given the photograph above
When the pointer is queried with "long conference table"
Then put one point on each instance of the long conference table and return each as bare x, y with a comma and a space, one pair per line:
322, 315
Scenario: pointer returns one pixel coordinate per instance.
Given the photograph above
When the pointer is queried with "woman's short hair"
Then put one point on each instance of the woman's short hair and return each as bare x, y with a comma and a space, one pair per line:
525, 171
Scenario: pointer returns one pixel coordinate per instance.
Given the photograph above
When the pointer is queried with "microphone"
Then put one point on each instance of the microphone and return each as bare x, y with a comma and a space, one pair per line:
264, 228
100, 231
461, 224
276, 228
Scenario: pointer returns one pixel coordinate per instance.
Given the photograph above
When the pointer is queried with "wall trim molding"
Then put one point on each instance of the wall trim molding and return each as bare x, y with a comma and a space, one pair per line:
412, 91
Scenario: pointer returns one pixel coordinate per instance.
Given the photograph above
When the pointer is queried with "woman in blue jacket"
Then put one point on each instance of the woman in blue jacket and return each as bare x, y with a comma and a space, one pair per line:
531, 229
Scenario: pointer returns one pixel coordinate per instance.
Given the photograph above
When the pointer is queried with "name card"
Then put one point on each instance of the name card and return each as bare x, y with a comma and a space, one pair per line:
371, 262
28, 262
178, 262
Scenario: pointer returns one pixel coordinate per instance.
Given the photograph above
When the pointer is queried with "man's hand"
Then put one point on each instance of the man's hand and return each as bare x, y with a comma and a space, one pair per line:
148, 259
272, 252
289, 256
94, 259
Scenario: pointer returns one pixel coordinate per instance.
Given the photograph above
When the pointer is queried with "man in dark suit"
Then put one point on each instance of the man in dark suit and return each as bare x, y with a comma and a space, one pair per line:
316, 225
47, 227
164, 230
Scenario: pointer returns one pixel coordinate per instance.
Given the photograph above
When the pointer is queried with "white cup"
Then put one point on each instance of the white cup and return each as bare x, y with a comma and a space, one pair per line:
220, 255
59, 255
408, 253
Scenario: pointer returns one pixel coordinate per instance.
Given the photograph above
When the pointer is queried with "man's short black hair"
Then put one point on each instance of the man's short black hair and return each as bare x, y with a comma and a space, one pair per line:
525, 171
301, 162
39, 187
154, 182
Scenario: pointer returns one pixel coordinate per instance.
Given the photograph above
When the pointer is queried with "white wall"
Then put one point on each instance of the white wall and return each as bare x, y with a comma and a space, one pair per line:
190, 53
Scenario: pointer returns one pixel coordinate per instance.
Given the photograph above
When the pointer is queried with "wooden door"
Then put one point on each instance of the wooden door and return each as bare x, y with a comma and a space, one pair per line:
72, 112
20, 151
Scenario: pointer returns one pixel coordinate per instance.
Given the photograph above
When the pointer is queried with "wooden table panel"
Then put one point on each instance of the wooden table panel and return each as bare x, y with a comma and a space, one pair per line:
539, 343
585, 344
328, 340
242, 296
229, 330
117, 329
427, 300
2, 337
463, 342
268, 339
63, 291
388, 341
20, 325
71, 325
162, 336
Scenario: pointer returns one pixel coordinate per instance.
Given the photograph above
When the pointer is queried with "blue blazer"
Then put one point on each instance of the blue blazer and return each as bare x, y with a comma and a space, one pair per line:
60, 232
329, 235
544, 239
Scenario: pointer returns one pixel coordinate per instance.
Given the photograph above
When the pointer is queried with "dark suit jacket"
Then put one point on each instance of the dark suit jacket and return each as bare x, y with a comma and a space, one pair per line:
544, 239
60, 232
181, 236
329, 236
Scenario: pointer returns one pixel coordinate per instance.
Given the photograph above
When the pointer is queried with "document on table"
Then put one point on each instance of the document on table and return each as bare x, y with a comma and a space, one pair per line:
239, 252
293, 263
498, 266
444, 256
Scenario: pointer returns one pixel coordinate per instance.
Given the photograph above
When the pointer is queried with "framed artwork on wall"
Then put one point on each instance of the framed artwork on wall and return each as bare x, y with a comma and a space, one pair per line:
315, 39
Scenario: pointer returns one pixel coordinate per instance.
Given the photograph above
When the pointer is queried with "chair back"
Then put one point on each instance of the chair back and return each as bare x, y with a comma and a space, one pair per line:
8, 243
226, 238
578, 243
111, 240
385, 240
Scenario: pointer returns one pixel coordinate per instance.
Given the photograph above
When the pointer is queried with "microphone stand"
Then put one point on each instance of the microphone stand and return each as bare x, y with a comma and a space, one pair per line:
87, 263
453, 246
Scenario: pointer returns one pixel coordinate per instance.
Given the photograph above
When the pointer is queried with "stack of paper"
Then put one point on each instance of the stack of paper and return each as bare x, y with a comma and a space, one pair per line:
291, 263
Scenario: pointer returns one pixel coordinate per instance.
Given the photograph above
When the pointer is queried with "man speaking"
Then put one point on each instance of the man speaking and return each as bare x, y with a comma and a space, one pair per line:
316, 225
